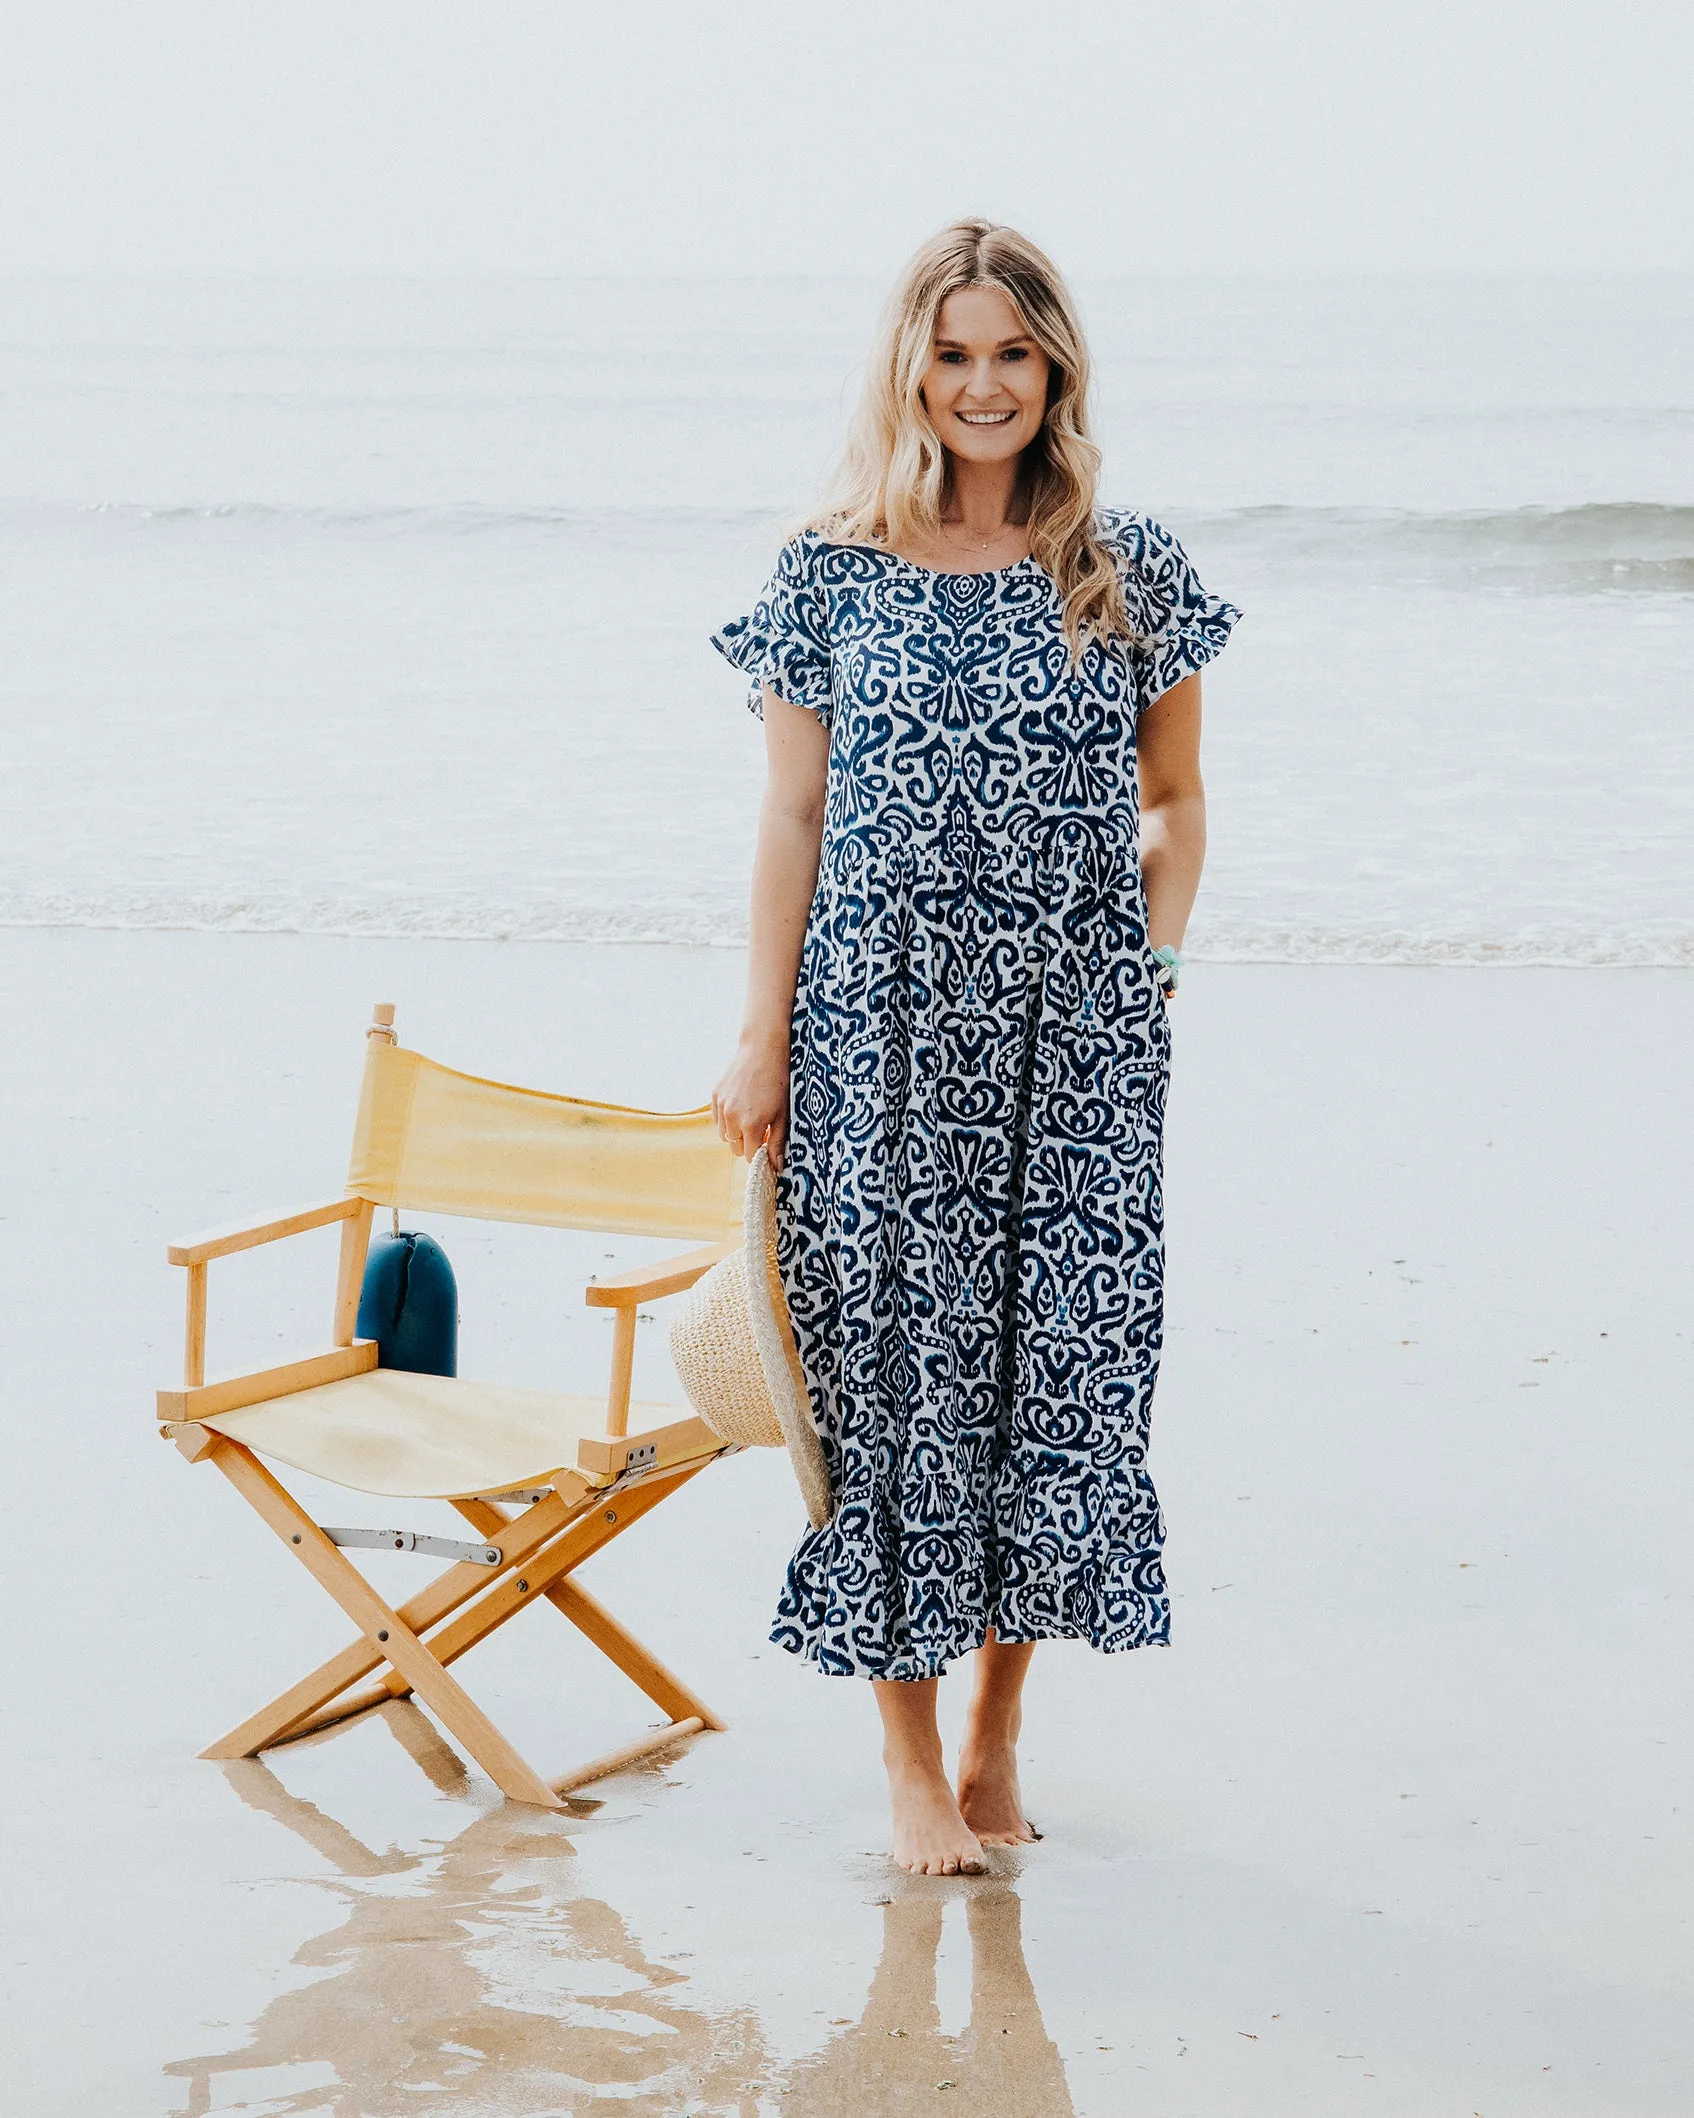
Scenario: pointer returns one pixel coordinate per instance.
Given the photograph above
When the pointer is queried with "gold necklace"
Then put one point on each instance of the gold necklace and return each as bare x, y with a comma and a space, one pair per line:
983, 544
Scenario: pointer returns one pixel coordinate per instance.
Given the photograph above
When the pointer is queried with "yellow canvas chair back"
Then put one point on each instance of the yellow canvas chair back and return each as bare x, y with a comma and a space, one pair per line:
444, 1142
433, 1140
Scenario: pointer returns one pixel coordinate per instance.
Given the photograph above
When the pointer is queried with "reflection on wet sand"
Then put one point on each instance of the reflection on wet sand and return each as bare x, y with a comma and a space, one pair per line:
475, 1979
895, 2059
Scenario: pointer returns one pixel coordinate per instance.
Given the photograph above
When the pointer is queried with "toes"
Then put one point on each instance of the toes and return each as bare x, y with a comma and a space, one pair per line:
948, 1863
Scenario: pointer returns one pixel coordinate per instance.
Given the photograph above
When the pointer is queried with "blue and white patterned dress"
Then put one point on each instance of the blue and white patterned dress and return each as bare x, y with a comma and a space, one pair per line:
970, 1219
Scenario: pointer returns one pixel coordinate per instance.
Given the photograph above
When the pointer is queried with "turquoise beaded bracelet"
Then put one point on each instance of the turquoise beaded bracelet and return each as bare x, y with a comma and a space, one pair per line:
1171, 961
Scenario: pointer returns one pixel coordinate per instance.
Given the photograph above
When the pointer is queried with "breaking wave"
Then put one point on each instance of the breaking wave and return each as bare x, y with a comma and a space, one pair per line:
1638, 546
394, 916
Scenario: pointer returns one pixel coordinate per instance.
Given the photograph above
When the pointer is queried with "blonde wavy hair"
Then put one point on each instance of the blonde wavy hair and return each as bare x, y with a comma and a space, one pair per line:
891, 483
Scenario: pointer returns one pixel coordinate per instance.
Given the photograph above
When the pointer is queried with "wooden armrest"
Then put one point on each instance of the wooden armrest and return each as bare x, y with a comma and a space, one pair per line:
220, 1242
654, 1449
235, 1391
624, 1290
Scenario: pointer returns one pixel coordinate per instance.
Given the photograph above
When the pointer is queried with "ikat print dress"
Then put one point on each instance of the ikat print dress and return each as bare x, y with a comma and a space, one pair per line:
969, 1212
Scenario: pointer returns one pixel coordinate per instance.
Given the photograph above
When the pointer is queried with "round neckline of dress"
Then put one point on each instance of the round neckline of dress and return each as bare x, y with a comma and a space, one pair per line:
978, 573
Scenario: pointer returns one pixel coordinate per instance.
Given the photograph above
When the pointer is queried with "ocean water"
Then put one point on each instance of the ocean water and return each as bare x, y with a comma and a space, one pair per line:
382, 607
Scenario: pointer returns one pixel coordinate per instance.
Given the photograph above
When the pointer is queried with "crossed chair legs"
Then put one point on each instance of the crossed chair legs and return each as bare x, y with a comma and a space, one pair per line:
539, 1550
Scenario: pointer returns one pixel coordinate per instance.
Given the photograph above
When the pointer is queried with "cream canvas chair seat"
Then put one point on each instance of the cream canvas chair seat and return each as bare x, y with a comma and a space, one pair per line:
435, 1437
438, 1141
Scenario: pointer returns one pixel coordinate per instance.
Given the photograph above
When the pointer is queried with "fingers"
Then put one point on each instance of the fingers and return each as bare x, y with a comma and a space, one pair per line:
742, 1132
728, 1124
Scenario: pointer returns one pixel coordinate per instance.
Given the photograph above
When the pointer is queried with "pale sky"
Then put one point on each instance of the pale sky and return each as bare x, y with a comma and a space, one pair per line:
802, 136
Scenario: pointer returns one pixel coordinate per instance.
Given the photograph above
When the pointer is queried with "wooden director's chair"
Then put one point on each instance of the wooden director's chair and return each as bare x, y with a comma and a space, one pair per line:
442, 1142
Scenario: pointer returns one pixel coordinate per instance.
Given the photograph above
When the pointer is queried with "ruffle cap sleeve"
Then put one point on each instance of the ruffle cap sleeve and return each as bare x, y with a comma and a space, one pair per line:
783, 641
1180, 626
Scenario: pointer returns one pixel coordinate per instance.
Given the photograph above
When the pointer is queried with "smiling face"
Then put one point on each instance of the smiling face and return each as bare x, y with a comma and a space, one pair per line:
985, 388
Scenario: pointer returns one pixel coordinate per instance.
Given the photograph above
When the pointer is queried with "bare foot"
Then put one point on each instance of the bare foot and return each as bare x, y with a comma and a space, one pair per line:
930, 1836
990, 1800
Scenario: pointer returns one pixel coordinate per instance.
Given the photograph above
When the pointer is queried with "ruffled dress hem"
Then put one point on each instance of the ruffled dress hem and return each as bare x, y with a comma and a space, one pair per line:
1152, 1631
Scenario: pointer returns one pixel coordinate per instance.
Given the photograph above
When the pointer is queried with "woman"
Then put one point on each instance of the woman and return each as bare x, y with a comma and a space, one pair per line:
965, 932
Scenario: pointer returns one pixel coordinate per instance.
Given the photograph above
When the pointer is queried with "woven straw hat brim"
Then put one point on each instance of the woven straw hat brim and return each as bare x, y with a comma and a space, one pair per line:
712, 1347
734, 1351
773, 1336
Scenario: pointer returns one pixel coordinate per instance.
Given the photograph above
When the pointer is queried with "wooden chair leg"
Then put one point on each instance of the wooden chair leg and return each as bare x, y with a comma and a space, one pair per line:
631, 1754
595, 1528
667, 1692
688, 1713
414, 1662
296, 1711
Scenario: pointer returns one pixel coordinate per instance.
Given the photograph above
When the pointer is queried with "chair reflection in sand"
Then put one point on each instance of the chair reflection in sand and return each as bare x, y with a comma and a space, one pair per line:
895, 2058
474, 1979
487, 1985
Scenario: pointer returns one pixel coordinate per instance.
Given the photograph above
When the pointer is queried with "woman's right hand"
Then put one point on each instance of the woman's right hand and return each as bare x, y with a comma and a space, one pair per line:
750, 1103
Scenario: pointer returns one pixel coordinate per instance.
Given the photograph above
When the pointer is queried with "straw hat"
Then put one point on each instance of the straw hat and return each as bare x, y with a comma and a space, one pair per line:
734, 1350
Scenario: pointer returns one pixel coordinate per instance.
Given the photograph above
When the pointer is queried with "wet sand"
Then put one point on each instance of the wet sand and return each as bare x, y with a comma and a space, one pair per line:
1399, 1825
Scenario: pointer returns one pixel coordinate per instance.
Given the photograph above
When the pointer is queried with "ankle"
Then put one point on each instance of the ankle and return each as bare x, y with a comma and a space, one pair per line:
906, 1762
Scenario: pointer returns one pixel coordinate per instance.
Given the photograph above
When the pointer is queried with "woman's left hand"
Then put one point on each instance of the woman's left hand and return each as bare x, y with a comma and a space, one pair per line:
750, 1103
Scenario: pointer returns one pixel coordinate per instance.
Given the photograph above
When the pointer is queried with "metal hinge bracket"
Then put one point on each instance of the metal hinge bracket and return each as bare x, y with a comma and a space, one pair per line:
416, 1541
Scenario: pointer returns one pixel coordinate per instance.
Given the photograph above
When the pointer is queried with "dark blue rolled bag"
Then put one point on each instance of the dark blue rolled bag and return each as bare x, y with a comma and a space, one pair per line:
410, 1305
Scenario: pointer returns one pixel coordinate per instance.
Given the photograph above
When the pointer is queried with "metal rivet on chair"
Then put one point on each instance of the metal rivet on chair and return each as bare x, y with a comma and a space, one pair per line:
611, 1514
296, 1536
523, 1588
382, 1636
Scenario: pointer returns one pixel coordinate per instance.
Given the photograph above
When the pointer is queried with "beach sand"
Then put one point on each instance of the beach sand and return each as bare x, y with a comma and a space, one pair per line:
1400, 1824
